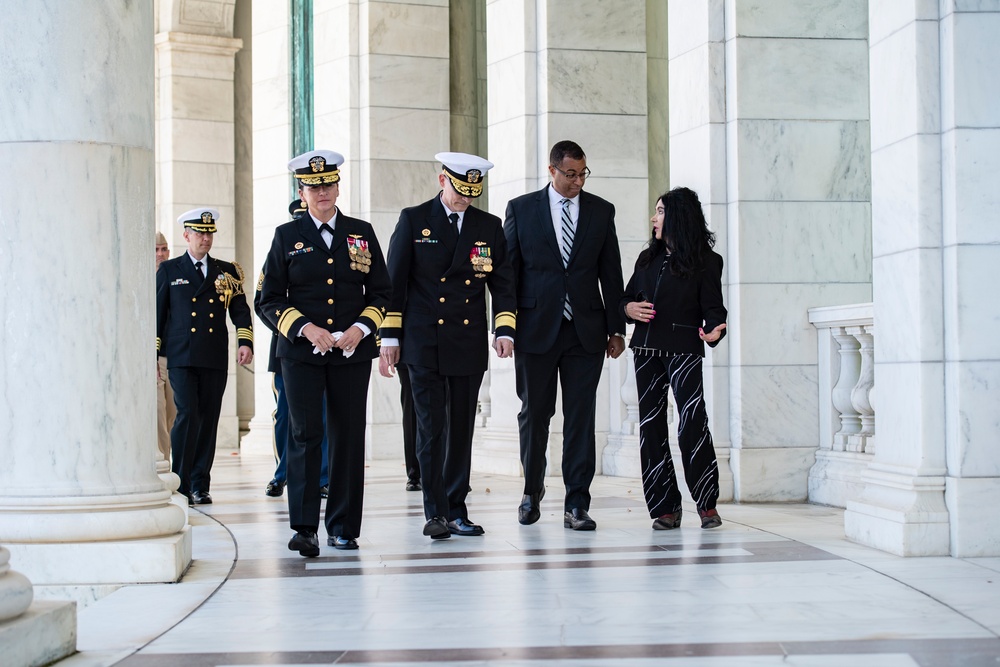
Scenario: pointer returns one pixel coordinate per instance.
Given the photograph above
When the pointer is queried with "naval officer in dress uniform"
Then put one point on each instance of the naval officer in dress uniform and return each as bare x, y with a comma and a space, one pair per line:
193, 294
442, 257
325, 289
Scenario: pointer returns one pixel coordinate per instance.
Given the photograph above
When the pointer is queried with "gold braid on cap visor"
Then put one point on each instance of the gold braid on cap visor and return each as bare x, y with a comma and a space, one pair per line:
199, 227
326, 178
463, 188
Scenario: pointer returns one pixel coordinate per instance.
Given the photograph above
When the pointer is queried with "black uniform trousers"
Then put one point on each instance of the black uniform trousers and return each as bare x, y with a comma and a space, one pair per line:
579, 373
346, 387
654, 376
409, 424
445, 407
198, 397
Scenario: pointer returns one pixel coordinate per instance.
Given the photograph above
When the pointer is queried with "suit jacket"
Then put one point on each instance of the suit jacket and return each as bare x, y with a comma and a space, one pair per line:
191, 312
543, 282
681, 304
438, 309
305, 282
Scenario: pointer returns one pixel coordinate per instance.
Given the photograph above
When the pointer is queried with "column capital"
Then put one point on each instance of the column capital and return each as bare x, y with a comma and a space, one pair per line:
204, 44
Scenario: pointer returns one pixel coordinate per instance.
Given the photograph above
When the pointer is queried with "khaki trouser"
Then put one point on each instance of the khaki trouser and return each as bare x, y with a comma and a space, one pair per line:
166, 411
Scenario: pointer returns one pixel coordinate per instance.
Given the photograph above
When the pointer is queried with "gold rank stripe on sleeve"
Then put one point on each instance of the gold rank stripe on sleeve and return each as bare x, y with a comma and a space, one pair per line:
505, 319
242, 332
393, 320
374, 314
157, 343
286, 319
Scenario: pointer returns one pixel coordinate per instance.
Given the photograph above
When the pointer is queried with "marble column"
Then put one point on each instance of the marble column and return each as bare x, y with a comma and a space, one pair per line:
554, 75
935, 141
271, 148
80, 501
777, 144
697, 149
195, 157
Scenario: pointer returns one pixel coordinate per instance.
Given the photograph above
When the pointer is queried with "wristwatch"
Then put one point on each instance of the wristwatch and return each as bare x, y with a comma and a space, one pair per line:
620, 335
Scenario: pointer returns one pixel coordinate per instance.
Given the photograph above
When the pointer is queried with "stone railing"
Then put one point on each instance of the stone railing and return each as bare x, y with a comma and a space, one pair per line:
846, 378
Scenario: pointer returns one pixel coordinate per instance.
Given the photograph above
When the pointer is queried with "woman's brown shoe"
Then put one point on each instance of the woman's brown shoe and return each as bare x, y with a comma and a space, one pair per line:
668, 521
710, 518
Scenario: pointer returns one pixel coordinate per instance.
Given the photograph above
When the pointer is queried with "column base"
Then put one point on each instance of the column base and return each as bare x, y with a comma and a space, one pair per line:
259, 440
771, 475
621, 456
903, 514
835, 478
138, 561
386, 442
974, 530
43, 634
496, 450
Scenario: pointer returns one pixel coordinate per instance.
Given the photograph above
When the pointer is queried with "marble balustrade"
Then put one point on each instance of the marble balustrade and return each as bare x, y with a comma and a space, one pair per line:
846, 383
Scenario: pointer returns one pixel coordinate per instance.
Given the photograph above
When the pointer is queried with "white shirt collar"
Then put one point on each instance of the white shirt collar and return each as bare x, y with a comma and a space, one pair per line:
332, 223
555, 199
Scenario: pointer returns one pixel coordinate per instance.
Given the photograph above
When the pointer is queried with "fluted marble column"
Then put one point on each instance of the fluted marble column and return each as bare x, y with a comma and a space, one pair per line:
80, 501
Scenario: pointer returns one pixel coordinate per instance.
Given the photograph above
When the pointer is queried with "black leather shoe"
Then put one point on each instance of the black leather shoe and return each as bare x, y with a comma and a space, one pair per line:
324, 491
413, 485
464, 527
342, 543
190, 499
578, 519
437, 528
305, 543
201, 497
274, 488
530, 509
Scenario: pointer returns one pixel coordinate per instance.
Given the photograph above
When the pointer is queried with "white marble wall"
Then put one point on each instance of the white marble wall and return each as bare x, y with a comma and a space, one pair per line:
769, 109
195, 157
80, 475
935, 134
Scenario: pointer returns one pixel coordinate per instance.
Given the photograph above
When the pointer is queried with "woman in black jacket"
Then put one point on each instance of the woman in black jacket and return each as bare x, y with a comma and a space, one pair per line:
674, 297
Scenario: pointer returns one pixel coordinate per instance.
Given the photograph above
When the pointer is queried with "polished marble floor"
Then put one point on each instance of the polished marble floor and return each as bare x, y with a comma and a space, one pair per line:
774, 585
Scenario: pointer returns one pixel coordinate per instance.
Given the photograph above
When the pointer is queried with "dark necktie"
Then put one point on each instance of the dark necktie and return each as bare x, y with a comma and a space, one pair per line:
326, 228
454, 226
568, 234
197, 267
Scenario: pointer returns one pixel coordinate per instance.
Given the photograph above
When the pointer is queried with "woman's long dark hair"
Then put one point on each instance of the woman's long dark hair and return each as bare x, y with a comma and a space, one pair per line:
685, 226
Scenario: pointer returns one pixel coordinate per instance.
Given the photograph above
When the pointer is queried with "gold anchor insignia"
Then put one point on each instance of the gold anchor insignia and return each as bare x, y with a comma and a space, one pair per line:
206, 218
318, 164
473, 175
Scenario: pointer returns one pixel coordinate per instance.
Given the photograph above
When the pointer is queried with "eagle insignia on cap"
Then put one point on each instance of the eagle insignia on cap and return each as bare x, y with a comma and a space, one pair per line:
473, 175
206, 218
318, 164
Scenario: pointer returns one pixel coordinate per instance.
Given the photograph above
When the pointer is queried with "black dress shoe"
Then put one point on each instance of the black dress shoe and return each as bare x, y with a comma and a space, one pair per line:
578, 519
190, 499
324, 491
274, 488
530, 510
413, 485
464, 527
342, 543
305, 543
437, 528
201, 497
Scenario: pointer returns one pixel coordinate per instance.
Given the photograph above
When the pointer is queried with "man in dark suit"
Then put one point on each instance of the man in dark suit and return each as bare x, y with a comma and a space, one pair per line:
193, 294
325, 289
442, 257
567, 266
282, 428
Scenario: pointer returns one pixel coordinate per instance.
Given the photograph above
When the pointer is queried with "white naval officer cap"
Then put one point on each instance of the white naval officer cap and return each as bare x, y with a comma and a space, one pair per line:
466, 172
318, 167
199, 219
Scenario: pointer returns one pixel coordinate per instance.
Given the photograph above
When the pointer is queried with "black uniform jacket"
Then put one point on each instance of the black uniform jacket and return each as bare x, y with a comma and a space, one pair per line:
305, 282
543, 282
681, 304
438, 310
191, 312
273, 364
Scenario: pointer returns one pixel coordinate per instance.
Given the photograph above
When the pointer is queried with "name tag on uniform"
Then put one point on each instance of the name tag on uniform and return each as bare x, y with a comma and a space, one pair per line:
300, 251
180, 281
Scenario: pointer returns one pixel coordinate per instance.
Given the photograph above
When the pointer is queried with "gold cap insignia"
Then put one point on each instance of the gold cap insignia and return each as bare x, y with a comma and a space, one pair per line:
206, 218
318, 164
473, 175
